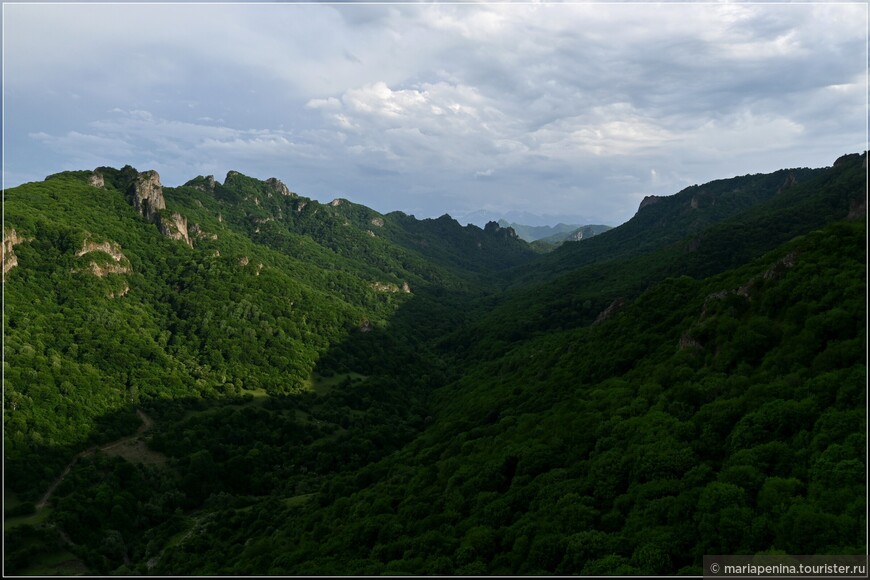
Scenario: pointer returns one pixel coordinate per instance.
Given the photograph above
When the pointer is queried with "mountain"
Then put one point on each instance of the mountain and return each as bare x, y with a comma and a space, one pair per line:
230, 378
574, 235
532, 233
481, 217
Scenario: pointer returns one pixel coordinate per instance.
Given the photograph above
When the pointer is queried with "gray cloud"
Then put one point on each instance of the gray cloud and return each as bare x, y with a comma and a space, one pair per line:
576, 109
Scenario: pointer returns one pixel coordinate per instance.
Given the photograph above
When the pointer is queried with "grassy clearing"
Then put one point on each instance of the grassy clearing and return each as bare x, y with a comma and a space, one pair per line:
31, 520
322, 385
59, 563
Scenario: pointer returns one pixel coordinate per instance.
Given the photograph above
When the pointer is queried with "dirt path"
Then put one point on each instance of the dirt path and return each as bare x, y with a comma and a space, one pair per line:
147, 423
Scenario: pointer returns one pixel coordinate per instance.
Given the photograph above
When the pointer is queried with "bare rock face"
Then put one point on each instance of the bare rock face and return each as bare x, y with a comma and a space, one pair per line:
148, 200
148, 195
610, 311
384, 287
174, 226
278, 186
121, 264
378, 222
110, 248
195, 231
96, 180
336, 202
688, 342
10, 240
206, 184
790, 181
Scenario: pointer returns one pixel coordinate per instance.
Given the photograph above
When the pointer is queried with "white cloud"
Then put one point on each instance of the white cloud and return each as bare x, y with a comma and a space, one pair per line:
456, 104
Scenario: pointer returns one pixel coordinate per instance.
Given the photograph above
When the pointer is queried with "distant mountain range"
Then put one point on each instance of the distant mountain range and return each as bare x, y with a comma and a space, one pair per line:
482, 216
554, 235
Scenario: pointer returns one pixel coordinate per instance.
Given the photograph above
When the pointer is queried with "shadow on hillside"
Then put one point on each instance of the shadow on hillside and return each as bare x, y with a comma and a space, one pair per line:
368, 396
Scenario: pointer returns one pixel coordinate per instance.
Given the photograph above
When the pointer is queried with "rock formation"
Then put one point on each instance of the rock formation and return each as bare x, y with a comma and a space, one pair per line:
121, 264
173, 226
10, 240
610, 311
147, 199
96, 180
148, 195
278, 186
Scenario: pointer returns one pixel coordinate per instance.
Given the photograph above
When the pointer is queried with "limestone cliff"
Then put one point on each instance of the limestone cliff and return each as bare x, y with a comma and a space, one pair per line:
173, 226
148, 195
96, 180
121, 264
278, 186
147, 198
10, 240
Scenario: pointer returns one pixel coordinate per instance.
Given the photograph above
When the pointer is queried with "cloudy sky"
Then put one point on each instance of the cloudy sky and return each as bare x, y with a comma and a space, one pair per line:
568, 109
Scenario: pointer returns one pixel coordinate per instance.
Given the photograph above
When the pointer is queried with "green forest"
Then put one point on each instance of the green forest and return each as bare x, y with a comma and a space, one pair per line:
232, 378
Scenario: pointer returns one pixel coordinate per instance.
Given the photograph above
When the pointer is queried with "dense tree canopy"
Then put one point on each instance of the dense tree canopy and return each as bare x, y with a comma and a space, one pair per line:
328, 390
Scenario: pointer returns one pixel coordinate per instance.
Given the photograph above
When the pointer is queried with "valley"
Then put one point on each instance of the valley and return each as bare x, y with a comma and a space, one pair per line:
231, 378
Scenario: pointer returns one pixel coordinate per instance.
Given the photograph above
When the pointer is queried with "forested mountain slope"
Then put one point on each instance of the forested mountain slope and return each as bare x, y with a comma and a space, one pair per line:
336, 391
123, 291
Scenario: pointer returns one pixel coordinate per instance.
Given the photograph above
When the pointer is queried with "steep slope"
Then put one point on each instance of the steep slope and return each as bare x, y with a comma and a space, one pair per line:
661, 221
121, 291
543, 300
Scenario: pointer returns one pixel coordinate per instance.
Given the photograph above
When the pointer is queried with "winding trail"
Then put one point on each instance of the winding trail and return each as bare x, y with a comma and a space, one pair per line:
147, 423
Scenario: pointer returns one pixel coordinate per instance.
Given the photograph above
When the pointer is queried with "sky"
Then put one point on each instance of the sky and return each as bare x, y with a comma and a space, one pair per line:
555, 109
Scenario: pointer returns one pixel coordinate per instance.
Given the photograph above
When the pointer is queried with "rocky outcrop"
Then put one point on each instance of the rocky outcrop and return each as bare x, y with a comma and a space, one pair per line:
790, 181
610, 311
687, 342
148, 195
278, 186
493, 228
10, 240
336, 202
174, 226
206, 184
244, 261
384, 287
775, 272
110, 248
147, 198
377, 222
120, 293
371, 233
196, 232
96, 180
120, 264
